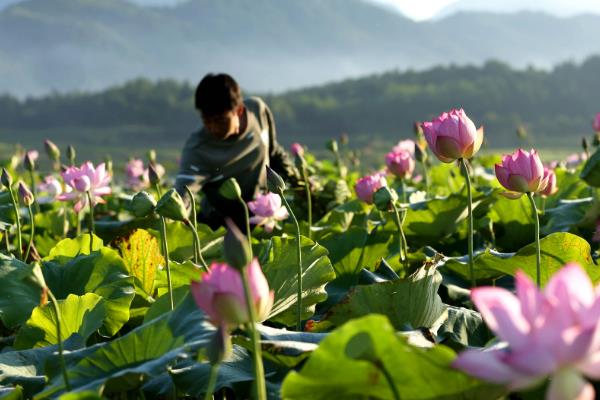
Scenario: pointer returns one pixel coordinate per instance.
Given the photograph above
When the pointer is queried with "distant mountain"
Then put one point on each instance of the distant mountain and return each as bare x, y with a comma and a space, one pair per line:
269, 45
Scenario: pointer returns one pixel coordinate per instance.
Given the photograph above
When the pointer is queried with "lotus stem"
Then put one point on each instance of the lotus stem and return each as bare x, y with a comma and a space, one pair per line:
18, 222
470, 220
165, 251
259, 373
389, 379
61, 356
212, 381
32, 232
538, 255
194, 220
401, 238
198, 253
425, 178
299, 258
308, 199
91, 219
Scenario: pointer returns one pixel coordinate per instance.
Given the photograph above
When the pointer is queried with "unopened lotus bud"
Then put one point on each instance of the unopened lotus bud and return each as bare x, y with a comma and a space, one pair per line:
29, 162
585, 144
108, 164
142, 204
384, 197
52, 150
420, 153
153, 176
332, 146
230, 189
522, 132
6, 179
152, 156
418, 129
236, 247
300, 162
25, 194
275, 182
344, 139
71, 154
171, 206
219, 348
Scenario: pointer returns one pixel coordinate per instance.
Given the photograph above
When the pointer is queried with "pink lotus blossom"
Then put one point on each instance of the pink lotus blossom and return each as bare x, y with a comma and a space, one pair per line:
51, 187
220, 294
367, 186
134, 170
405, 145
400, 163
521, 172
83, 179
453, 135
267, 210
549, 333
33, 155
297, 149
551, 187
596, 123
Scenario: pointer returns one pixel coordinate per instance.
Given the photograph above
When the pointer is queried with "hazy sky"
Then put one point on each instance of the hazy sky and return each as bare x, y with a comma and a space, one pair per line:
426, 9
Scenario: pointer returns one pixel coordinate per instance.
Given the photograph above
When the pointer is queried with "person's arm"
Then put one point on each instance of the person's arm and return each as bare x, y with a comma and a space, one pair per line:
278, 157
192, 172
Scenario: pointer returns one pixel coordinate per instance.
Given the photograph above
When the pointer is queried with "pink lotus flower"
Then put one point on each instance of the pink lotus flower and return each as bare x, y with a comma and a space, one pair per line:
400, 163
267, 210
521, 172
452, 136
297, 149
596, 123
220, 294
405, 145
367, 186
83, 179
51, 187
134, 170
551, 187
550, 333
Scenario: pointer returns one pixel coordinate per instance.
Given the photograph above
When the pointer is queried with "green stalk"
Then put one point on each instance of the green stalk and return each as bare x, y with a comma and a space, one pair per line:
165, 251
425, 178
470, 220
33, 190
247, 220
543, 205
403, 186
7, 243
18, 222
259, 372
299, 257
538, 255
308, 199
389, 379
401, 238
61, 356
78, 231
32, 232
198, 255
212, 381
194, 220
91, 221
65, 222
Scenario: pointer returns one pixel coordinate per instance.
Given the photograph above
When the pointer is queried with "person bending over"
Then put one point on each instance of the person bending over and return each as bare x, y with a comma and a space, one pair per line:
238, 139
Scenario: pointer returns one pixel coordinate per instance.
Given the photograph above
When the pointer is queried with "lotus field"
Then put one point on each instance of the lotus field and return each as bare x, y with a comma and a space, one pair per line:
446, 274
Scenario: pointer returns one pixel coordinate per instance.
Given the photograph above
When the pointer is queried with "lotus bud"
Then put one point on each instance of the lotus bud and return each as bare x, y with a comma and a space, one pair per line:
297, 148
420, 153
275, 182
585, 144
143, 204
596, 140
25, 194
29, 160
108, 162
171, 206
230, 189
236, 247
300, 162
219, 348
71, 154
344, 139
6, 179
153, 176
418, 129
384, 197
52, 151
152, 156
522, 132
332, 146
367, 186
521, 172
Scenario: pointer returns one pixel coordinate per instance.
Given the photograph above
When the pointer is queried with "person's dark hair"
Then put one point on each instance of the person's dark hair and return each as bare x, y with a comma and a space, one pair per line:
217, 94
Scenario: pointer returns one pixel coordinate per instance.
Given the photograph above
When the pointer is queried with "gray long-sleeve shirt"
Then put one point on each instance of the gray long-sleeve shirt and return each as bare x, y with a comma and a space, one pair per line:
207, 161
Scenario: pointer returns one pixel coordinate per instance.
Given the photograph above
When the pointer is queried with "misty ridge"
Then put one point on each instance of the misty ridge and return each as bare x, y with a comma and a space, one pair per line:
268, 45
